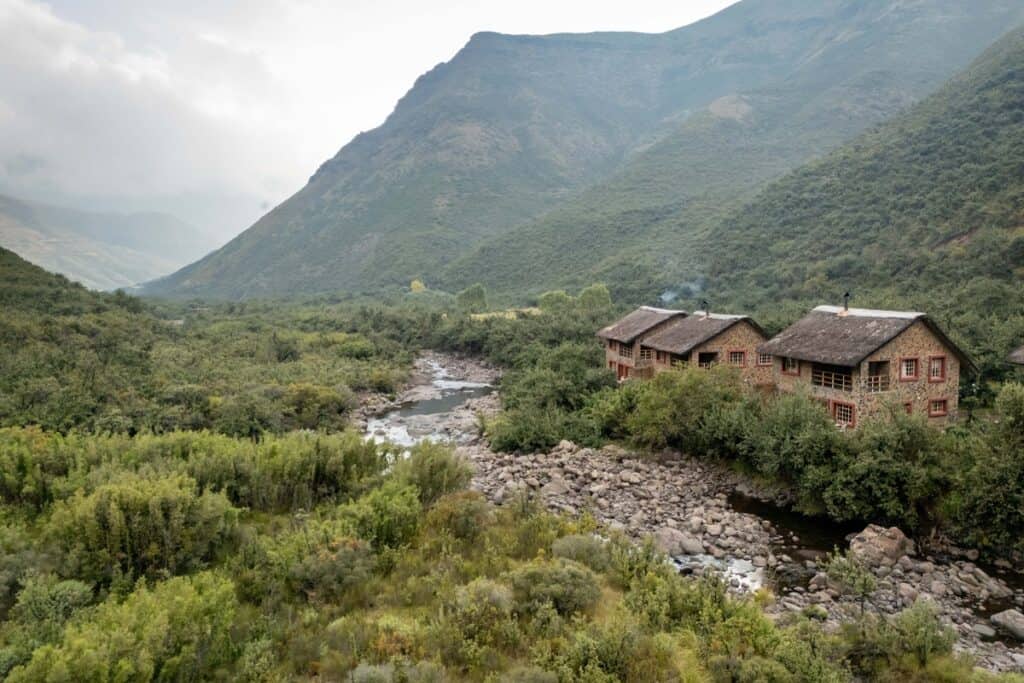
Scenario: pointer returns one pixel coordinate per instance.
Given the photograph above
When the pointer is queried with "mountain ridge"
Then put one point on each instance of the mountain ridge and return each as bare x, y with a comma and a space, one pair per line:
513, 128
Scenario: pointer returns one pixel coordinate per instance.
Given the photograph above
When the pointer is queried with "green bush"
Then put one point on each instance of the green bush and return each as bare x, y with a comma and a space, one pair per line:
461, 516
178, 630
434, 470
387, 517
586, 549
140, 526
568, 587
44, 604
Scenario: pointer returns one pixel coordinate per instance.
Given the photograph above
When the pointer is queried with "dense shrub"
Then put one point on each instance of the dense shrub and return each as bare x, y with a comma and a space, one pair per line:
461, 516
987, 503
565, 585
434, 470
139, 526
387, 517
586, 549
178, 630
317, 561
44, 604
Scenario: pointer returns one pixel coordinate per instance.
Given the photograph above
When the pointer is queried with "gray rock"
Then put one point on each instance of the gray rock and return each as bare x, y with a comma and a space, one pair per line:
556, 487
1011, 621
878, 545
984, 630
907, 593
676, 542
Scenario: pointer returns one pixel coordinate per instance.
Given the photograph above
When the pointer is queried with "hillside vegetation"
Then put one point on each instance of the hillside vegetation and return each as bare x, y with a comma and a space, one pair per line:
513, 126
647, 228
924, 212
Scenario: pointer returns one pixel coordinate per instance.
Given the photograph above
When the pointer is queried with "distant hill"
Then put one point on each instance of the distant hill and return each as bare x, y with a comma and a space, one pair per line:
516, 126
27, 288
644, 230
925, 212
103, 251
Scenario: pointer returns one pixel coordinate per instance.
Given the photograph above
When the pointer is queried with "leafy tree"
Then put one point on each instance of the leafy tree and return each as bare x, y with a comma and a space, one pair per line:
595, 298
473, 299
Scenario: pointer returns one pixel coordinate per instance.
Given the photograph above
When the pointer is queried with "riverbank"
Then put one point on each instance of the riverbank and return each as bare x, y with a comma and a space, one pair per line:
699, 513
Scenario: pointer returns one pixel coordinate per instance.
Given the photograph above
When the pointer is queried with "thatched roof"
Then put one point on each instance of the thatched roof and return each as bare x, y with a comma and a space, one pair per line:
1016, 357
640, 321
830, 335
684, 334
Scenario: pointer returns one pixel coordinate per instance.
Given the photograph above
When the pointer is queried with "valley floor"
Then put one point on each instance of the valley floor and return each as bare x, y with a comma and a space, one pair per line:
689, 507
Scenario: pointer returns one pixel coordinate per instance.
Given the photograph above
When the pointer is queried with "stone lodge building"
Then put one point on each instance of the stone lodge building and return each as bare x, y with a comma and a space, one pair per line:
860, 363
863, 363
705, 339
621, 340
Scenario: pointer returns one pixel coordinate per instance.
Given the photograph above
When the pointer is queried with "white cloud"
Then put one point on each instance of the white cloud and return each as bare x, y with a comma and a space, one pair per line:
183, 98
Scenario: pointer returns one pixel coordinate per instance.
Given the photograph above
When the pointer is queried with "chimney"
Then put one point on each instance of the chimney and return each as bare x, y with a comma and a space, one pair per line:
846, 305
707, 308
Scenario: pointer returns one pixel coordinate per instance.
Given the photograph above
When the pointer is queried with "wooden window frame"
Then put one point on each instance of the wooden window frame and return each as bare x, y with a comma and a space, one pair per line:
763, 363
743, 355
941, 378
945, 407
646, 353
852, 424
909, 407
791, 373
917, 368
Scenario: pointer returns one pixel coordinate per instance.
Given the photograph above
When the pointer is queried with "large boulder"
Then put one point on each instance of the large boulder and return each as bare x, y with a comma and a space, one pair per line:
877, 545
675, 542
1011, 621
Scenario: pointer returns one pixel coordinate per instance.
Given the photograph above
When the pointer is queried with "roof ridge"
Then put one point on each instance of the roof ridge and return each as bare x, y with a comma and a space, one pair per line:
870, 312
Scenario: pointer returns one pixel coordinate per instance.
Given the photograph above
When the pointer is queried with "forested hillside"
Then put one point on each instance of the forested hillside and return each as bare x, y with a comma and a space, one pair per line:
103, 251
924, 212
512, 126
646, 229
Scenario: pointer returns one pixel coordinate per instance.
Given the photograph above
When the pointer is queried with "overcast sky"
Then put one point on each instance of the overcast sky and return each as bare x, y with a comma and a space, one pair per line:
216, 110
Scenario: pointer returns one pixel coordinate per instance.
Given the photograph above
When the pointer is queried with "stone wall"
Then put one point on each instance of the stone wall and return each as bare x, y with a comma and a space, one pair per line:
740, 337
917, 341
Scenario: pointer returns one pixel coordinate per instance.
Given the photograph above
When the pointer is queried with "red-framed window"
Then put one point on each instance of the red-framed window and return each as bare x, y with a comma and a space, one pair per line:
764, 359
790, 366
646, 353
938, 407
910, 369
844, 414
937, 369
738, 358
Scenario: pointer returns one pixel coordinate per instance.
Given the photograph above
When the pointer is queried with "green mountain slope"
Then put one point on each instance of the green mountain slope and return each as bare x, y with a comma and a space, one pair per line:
643, 230
924, 212
101, 250
512, 126
28, 289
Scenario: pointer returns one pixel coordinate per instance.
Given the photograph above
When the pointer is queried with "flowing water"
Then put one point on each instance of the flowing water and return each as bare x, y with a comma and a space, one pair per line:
435, 411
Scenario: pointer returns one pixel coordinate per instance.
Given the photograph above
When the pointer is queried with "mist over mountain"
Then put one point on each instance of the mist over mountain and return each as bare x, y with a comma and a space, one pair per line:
103, 251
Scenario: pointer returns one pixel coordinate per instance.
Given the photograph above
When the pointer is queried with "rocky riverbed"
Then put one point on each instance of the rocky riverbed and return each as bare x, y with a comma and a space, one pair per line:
688, 507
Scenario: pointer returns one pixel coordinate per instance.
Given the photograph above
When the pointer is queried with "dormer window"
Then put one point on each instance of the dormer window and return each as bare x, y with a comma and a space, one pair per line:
790, 366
